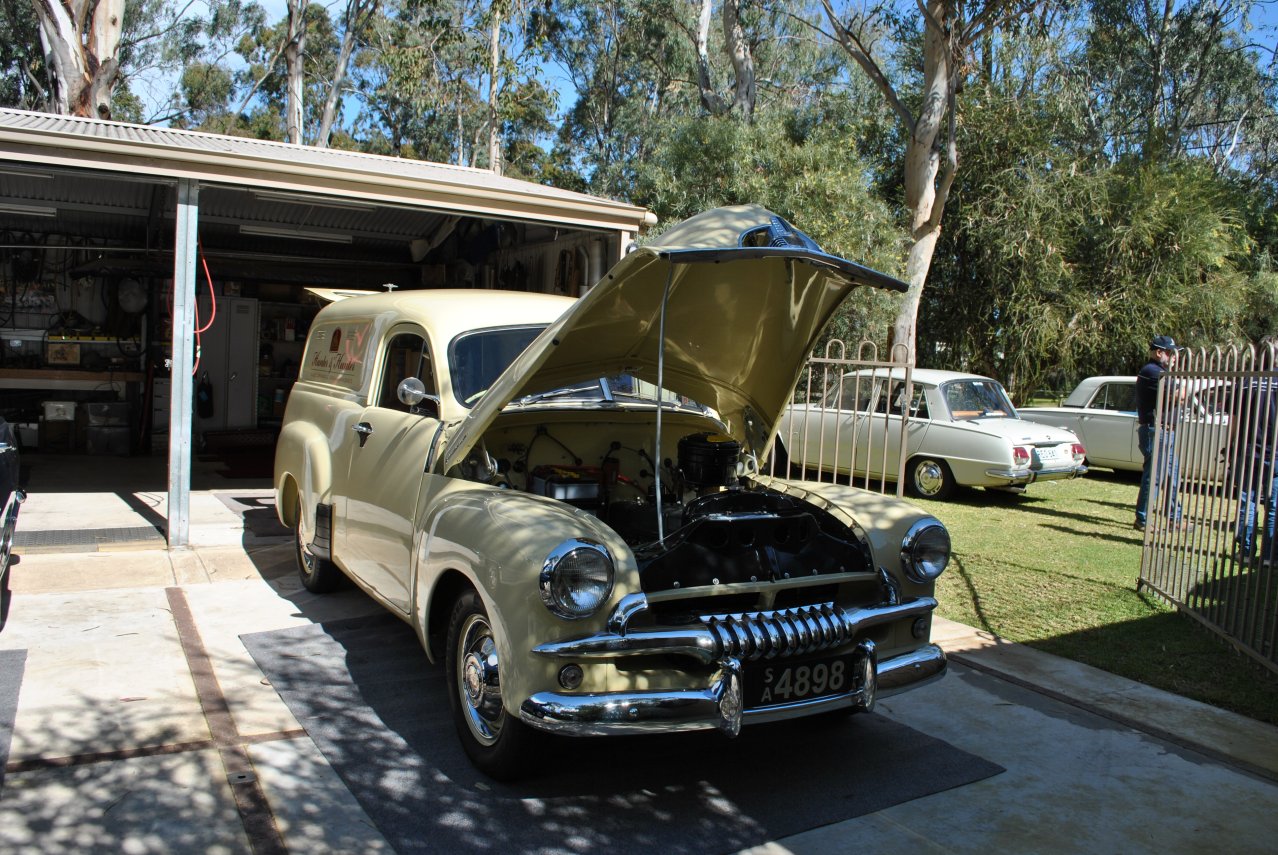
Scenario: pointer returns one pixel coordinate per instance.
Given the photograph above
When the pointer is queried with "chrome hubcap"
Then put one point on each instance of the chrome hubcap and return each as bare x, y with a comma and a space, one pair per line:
928, 477
479, 680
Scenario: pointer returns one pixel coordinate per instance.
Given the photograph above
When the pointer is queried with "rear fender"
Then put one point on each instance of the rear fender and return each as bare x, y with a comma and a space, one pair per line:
303, 467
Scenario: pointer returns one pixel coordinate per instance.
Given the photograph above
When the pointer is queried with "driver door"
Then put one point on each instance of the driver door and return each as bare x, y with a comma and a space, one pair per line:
1108, 425
383, 470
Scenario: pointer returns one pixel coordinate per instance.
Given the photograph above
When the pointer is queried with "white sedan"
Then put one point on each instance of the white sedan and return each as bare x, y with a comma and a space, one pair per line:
957, 429
1102, 411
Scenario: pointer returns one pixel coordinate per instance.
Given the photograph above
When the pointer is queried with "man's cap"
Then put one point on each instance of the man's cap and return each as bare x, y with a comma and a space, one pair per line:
1163, 342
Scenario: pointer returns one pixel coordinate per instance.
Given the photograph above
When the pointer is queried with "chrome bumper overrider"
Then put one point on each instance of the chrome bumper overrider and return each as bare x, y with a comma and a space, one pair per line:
728, 640
719, 706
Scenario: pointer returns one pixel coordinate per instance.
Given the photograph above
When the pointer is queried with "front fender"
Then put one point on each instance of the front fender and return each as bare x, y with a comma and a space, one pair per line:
499, 540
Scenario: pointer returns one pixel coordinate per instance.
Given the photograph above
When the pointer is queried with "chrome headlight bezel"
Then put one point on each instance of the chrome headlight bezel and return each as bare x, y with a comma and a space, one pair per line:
928, 535
551, 582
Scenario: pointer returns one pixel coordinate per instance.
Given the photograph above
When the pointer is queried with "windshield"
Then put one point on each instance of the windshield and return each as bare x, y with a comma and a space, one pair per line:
975, 399
476, 359
617, 389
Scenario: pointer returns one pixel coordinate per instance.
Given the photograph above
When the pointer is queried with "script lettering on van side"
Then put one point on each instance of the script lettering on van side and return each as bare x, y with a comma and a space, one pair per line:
334, 363
337, 353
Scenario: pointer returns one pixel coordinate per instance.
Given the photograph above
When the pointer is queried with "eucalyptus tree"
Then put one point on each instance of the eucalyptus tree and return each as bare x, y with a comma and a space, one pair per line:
198, 51
1060, 258
355, 20
627, 64
294, 46
1178, 78
269, 78
81, 42
948, 30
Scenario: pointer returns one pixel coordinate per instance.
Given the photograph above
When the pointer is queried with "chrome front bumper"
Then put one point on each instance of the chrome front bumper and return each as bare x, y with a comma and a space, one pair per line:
719, 706
727, 641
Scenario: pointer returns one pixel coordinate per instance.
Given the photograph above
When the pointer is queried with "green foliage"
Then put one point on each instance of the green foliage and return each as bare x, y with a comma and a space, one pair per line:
21, 59
813, 179
1066, 273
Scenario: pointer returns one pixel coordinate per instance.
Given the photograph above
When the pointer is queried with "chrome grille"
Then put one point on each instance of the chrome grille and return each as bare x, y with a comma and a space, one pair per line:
780, 632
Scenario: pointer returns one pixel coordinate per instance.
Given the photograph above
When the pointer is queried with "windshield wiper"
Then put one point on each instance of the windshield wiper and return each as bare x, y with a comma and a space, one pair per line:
556, 393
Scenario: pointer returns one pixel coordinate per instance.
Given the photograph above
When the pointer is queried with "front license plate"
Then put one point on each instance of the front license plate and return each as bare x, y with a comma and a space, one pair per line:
770, 684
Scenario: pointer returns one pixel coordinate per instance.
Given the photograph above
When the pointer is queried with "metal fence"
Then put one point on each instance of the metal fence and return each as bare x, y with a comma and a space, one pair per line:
1215, 458
848, 419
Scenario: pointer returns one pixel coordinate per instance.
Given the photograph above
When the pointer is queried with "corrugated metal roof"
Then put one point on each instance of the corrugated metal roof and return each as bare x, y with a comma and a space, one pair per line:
166, 152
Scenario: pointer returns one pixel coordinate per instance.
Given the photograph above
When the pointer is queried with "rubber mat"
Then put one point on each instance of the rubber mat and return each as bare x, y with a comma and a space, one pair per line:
85, 539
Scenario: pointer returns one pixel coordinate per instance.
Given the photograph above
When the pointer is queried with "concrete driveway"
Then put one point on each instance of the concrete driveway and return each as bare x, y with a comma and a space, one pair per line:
143, 725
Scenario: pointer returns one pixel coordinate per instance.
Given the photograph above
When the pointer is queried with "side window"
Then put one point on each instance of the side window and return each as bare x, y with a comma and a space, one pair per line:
899, 405
1115, 396
918, 404
854, 393
406, 356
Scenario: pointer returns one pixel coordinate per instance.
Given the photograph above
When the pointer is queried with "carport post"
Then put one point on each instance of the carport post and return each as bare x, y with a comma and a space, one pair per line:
184, 252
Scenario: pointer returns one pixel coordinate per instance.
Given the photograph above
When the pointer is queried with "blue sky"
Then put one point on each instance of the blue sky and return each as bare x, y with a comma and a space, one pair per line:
1264, 19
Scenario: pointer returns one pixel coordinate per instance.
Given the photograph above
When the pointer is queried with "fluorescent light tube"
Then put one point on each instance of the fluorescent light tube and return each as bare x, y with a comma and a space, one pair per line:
296, 234
304, 199
28, 210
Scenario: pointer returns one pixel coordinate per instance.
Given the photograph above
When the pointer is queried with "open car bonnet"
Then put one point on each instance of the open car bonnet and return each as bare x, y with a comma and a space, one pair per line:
745, 297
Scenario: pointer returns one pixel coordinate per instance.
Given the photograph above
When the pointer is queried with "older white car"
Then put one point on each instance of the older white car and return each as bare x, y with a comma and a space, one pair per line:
564, 498
1102, 411
956, 429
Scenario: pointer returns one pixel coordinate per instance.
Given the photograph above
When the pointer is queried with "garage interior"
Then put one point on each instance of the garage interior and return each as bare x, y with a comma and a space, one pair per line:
95, 255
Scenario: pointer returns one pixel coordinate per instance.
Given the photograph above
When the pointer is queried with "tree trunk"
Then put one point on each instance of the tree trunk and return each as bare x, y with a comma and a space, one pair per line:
738, 50
709, 97
494, 71
294, 56
924, 196
357, 12
81, 44
931, 154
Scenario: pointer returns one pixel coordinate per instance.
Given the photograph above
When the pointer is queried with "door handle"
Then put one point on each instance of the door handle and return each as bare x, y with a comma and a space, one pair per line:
365, 430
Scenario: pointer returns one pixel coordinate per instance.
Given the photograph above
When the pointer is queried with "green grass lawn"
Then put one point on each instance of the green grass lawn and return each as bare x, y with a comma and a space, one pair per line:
1056, 569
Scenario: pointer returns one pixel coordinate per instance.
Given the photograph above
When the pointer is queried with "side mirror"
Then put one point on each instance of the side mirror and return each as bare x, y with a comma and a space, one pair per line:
412, 391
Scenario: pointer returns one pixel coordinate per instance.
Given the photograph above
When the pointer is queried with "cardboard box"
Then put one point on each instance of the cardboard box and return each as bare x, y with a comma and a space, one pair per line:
59, 411
108, 439
110, 413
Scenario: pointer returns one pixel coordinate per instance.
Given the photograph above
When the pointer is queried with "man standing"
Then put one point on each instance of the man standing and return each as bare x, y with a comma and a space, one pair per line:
1162, 351
1254, 475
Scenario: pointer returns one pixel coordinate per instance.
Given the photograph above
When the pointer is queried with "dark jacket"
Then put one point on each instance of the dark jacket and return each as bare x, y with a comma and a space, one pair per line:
1147, 391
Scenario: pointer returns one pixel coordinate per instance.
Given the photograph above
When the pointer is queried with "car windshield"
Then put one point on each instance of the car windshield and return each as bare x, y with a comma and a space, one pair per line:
476, 359
975, 399
614, 390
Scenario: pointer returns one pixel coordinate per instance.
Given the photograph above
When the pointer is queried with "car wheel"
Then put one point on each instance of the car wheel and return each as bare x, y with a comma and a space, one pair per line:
319, 575
929, 478
499, 744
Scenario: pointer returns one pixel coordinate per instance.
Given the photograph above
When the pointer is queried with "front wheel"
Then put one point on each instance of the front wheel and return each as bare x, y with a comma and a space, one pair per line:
319, 575
929, 478
499, 744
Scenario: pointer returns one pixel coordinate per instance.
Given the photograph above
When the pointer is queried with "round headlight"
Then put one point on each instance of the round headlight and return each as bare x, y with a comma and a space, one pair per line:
925, 551
576, 578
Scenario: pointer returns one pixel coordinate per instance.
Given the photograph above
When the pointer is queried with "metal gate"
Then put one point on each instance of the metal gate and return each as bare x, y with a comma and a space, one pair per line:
848, 419
1215, 462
